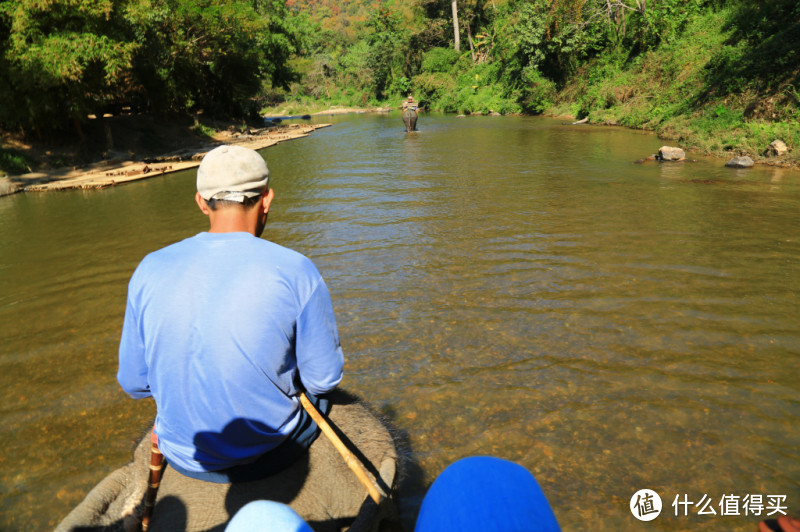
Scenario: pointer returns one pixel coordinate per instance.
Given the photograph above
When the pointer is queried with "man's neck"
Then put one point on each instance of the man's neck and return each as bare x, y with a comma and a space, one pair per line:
232, 220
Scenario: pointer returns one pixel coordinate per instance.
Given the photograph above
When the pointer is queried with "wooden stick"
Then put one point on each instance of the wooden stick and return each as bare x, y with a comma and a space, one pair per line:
349, 458
156, 468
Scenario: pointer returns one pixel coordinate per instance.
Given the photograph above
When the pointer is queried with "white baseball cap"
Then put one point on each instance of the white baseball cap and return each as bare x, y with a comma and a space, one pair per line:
232, 173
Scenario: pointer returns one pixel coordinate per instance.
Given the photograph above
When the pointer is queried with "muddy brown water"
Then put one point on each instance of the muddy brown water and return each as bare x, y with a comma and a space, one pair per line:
507, 286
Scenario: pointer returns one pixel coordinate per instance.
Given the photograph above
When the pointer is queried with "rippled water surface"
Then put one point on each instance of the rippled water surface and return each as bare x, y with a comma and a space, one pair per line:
506, 286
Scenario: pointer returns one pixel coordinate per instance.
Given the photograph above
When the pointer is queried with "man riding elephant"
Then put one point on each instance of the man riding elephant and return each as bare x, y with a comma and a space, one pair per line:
409, 107
225, 329
320, 486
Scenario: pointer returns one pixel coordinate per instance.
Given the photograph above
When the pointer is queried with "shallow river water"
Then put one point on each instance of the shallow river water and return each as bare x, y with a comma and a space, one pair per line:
507, 286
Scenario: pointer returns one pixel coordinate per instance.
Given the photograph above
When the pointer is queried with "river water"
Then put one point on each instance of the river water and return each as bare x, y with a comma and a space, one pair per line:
508, 286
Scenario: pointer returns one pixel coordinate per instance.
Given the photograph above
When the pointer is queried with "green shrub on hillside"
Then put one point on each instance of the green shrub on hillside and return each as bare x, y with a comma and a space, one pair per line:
13, 162
433, 87
439, 60
353, 68
538, 93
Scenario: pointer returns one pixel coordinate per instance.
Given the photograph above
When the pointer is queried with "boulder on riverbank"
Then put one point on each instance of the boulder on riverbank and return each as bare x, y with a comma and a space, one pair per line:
8, 187
777, 148
740, 162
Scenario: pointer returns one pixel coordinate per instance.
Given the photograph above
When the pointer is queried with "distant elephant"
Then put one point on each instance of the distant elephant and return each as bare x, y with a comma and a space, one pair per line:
320, 486
410, 119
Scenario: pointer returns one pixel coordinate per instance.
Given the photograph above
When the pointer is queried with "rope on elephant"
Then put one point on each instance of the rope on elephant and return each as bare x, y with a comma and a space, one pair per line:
156, 468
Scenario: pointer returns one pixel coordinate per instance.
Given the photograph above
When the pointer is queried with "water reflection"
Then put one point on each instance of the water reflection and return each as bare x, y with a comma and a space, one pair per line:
506, 286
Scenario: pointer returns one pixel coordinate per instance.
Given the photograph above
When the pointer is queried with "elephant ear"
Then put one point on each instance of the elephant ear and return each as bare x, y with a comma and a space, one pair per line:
373, 517
114, 504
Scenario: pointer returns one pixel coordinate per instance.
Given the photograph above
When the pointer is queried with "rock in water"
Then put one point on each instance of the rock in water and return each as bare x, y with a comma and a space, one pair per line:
668, 153
740, 162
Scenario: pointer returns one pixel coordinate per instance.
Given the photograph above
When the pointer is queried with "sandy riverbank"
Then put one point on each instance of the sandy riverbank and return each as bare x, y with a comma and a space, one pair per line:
116, 171
331, 111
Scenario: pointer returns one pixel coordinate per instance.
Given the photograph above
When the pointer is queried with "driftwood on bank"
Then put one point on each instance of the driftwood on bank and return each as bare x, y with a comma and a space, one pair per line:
115, 172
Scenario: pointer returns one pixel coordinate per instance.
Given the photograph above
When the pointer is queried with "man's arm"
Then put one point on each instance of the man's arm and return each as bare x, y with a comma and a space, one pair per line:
132, 373
319, 352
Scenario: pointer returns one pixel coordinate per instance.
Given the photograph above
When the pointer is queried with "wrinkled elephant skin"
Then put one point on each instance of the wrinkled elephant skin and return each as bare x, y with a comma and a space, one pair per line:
410, 119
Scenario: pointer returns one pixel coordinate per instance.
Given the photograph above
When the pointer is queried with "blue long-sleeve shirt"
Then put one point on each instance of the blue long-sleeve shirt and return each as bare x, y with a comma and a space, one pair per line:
219, 329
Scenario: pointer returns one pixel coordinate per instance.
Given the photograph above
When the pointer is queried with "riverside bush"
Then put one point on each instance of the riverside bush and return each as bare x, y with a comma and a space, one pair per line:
439, 60
433, 87
701, 86
538, 93
13, 162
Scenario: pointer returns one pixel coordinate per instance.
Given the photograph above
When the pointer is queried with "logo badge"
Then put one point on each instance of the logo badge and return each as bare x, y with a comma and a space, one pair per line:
645, 505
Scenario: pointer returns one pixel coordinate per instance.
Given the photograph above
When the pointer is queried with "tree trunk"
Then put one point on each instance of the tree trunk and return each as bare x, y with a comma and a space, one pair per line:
456, 33
83, 146
78, 129
109, 136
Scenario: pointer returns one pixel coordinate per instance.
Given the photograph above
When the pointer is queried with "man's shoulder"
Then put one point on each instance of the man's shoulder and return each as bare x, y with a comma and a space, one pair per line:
283, 256
175, 248
215, 249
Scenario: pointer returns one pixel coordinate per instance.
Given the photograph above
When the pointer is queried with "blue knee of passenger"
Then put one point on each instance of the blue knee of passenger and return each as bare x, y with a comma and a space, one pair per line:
485, 493
263, 516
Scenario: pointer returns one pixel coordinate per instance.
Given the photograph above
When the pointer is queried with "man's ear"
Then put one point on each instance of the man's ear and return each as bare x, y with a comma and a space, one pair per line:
266, 200
202, 204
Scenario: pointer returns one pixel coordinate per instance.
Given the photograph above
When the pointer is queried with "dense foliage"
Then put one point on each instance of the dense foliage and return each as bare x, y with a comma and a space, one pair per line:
716, 74
62, 60
519, 54
729, 68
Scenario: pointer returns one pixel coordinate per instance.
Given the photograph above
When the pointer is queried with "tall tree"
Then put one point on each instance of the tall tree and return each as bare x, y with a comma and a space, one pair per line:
456, 32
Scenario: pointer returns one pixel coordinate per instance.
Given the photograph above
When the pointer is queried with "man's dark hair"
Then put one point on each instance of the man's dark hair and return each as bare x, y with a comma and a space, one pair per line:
214, 204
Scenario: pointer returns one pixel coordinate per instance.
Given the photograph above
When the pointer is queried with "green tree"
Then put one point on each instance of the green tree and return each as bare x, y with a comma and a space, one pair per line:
61, 61
551, 37
209, 55
386, 50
